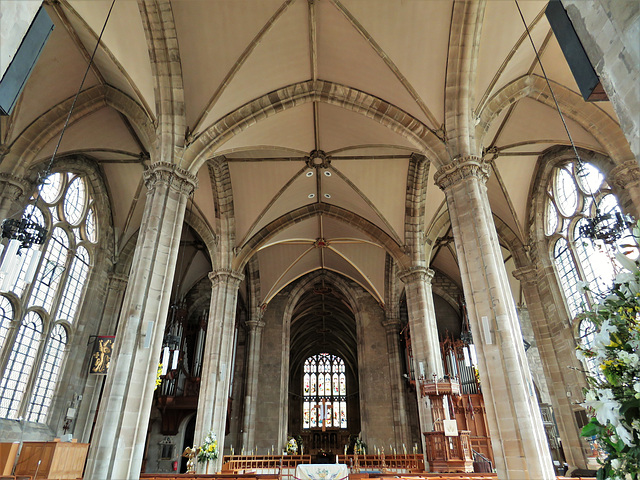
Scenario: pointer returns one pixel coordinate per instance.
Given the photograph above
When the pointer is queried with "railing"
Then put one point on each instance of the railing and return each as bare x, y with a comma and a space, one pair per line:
285, 465
481, 463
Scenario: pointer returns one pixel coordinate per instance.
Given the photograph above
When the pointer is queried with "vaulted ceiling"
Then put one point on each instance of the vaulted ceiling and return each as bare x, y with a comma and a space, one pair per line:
393, 55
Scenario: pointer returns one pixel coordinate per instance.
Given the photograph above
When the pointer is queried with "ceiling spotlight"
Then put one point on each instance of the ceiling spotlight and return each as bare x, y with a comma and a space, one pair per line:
312, 195
310, 173
326, 195
327, 173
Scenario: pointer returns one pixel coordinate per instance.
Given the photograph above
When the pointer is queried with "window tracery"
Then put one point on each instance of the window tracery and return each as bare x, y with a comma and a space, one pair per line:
572, 194
64, 204
324, 392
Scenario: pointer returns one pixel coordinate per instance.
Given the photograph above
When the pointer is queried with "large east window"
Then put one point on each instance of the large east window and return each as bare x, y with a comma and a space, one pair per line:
49, 299
324, 392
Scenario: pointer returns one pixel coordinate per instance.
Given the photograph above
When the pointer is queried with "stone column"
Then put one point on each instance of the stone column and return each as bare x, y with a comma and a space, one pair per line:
251, 381
557, 352
625, 180
91, 392
398, 401
216, 362
425, 345
118, 442
517, 434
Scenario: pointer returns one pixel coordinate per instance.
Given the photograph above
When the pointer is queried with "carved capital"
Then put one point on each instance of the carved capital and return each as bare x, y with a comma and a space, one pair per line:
461, 168
226, 276
625, 175
164, 173
527, 274
13, 187
416, 274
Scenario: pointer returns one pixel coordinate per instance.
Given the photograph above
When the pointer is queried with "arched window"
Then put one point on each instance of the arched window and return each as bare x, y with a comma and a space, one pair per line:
23, 354
49, 294
572, 195
324, 392
47, 375
573, 192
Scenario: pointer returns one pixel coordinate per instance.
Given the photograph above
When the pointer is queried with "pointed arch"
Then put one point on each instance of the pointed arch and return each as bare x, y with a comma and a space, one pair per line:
416, 197
260, 238
594, 120
164, 52
399, 121
25, 148
223, 199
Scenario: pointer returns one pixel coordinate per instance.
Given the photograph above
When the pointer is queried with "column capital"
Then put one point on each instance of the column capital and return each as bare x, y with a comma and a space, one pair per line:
460, 168
224, 275
13, 187
118, 281
416, 274
624, 175
527, 274
255, 325
391, 325
169, 174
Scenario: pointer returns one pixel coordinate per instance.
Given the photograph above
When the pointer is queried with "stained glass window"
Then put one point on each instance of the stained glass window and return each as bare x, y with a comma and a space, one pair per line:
328, 402
64, 204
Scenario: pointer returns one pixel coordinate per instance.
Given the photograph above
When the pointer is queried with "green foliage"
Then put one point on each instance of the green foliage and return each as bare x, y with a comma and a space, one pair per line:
613, 398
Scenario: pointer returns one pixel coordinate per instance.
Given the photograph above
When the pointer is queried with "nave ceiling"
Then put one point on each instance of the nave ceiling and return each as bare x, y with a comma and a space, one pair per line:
347, 70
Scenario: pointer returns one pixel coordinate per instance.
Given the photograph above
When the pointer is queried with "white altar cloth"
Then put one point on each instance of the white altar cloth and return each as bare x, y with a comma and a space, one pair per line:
326, 471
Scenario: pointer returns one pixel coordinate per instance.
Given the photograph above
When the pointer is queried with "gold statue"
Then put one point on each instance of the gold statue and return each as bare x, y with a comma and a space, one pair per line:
190, 453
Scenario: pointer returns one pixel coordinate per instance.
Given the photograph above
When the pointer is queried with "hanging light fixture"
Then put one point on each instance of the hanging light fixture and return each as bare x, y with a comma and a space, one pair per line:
607, 227
29, 230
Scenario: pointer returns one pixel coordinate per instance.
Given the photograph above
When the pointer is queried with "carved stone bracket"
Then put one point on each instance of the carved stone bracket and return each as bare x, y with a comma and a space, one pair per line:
13, 187
527, 274
625, 175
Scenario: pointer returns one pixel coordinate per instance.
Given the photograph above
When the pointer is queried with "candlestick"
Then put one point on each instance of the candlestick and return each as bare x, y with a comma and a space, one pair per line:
345, 449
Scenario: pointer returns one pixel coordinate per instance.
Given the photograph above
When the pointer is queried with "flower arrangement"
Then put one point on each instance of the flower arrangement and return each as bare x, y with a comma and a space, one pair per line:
209, 448
359, 447
158, 376
613, 398
292, 446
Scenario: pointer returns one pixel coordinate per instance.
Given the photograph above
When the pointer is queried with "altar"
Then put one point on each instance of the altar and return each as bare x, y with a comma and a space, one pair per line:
322, 471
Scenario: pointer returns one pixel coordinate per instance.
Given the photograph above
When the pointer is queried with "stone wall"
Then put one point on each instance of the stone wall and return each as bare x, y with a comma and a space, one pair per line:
373, 370
610, 34
268, 411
